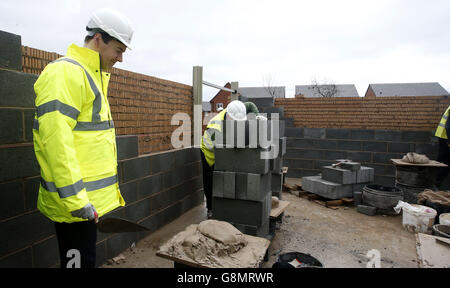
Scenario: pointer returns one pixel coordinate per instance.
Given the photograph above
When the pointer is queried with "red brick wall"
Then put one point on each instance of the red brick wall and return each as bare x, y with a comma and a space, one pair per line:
221, 97
141, 105
383, 113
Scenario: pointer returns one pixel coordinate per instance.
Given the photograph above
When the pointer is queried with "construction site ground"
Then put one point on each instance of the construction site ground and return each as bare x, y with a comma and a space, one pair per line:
338, 238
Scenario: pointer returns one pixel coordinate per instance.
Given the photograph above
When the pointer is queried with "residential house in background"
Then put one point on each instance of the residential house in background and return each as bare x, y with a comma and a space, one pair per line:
221, 99
262, 92
319, 91
405, 89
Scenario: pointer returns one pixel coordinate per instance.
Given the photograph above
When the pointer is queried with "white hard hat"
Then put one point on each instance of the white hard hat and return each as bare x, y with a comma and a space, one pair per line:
237, 111
113, 23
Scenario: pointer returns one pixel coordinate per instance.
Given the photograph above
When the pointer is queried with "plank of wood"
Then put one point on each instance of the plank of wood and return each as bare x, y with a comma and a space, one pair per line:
430, 253
282, 205
432, 163
320, 202
348, 200
334, 203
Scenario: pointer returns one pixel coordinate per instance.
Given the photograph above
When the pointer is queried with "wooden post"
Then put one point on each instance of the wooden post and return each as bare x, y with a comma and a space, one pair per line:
197, 86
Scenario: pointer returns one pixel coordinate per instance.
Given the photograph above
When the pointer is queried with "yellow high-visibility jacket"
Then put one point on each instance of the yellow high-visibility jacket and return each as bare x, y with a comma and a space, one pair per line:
441, 132
207, 145
74, 137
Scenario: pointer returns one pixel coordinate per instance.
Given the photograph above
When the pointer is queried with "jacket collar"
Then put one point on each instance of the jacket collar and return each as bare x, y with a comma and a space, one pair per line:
89, 58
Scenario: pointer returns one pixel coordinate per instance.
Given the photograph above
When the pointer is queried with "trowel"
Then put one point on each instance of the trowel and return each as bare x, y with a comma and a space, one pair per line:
118, 225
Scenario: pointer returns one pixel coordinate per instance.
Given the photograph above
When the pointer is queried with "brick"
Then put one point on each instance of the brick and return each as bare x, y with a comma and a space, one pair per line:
22, 231
10, 51
136, 168
362, 134
20, 259
365, 175
315, 133
277, 182
149, 185
254, 213
368, 210
11, 125
224, 184
352, 166
162, 162
374, 146
332, 133
276, 165
18, 162
127, 146
11, 199
357, 198
330, 190
338, 175
294, 132
388, 135
417, 136
349, 145
246, 160
45, 253
401, 147
252, 187
16, 89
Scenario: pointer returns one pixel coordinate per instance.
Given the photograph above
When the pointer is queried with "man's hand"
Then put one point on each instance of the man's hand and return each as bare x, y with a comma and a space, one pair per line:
87, 212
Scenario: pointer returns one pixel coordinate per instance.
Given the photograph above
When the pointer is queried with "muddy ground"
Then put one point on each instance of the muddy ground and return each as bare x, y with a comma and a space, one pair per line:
338, 238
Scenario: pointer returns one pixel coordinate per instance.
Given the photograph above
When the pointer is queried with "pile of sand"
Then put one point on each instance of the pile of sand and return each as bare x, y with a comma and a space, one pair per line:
215, 244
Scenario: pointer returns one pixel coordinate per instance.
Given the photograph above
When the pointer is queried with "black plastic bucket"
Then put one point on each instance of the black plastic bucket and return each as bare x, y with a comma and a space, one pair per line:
307, 260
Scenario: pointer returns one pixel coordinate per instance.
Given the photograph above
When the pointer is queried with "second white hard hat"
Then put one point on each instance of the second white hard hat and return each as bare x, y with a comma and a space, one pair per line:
113, 23
237, 111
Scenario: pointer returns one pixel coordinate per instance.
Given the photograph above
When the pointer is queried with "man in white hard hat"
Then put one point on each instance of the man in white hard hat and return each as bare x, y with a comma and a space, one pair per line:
236, 110
74, 138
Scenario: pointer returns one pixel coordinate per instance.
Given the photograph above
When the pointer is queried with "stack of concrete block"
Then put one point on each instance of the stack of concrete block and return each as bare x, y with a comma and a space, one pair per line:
340, 181
242, 182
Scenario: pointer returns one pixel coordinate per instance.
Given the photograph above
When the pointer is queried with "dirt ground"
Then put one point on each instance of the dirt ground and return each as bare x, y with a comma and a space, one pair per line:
338, 238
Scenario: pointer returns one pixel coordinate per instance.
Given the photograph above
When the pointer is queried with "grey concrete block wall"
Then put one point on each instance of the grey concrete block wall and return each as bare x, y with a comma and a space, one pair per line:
157, 188
308, 149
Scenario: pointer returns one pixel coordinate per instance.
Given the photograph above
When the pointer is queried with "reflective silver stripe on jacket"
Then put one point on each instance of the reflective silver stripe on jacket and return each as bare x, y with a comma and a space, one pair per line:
94, 126
72, 190
57, 105
97, 105
442, 125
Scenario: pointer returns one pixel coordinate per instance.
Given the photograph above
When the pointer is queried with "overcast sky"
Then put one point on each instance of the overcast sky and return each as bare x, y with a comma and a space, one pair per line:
290, 42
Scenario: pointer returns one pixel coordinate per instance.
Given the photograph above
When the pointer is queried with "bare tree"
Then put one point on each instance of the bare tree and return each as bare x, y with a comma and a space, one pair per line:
269, 85
326, 89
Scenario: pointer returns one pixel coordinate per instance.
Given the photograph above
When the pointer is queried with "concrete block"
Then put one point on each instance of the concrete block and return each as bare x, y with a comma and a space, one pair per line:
368, 210
127, 147
258, 231
362, 134
276, 165
358, 187
277, 182
401, 147
262, 101
365, 175
293, 132
279, 194
10, 51
18, 162
16, 89
149, 185
247, 160
162, 162
333, 133
388, 135
11, 125
338, 175
374, 146
224, 184
352, 166
21, 259
136, 168
349, 145
315, 133
330, 190
417, 136
244, 212
29, 120
273, 110
11, 199
252, 187
357, 198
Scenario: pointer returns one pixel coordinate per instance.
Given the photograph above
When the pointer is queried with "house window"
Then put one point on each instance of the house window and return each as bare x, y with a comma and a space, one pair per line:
219, 105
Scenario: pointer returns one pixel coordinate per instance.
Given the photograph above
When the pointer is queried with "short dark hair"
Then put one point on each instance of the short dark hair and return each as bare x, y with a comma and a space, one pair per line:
105, 36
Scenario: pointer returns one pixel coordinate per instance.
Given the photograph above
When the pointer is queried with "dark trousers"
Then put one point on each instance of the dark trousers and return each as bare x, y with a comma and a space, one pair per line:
207, 181
443, 157
81, 236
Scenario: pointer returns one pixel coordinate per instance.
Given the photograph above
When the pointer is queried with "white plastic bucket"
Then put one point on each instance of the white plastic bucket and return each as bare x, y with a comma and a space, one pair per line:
418, 220
444, 219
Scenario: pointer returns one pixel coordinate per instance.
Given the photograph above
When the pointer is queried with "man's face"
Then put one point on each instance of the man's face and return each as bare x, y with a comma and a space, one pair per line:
110, 53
